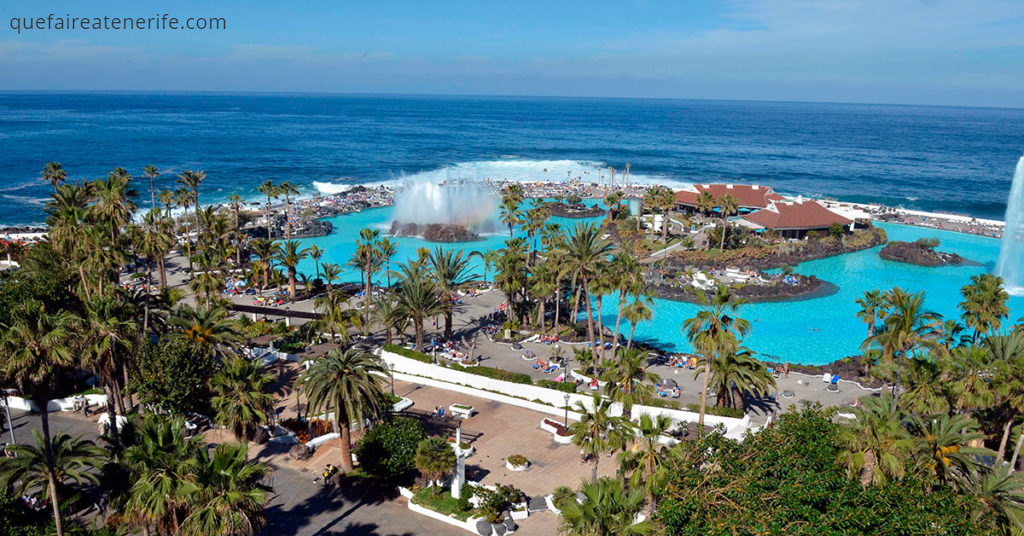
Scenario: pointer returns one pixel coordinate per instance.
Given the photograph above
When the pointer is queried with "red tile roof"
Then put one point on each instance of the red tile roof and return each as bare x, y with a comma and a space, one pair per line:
747, 195
788, 215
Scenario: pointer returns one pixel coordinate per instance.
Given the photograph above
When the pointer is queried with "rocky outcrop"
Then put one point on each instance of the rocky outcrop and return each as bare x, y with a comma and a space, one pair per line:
921, 255
435, 232
806, 287
575, 210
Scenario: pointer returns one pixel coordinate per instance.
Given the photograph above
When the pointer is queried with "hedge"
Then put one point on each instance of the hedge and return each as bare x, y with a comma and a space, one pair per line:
495, 373
567, 387
715, 410
405, 352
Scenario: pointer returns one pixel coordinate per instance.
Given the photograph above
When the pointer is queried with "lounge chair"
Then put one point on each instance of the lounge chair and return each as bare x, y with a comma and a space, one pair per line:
834, 384
826, 378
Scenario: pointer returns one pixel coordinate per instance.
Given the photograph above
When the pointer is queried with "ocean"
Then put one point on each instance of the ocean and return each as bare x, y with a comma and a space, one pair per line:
922, 157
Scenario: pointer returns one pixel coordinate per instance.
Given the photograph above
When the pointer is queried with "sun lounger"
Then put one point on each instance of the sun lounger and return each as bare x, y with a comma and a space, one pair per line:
826, 378
834, 384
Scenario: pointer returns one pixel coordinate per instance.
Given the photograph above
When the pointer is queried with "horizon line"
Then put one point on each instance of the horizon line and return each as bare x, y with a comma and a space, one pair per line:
479, 95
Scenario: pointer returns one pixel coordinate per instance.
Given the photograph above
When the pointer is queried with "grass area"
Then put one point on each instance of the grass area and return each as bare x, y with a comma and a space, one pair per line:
442, 502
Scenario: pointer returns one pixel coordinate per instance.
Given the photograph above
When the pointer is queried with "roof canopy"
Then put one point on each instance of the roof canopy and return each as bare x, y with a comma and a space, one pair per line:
796, 215
750, 196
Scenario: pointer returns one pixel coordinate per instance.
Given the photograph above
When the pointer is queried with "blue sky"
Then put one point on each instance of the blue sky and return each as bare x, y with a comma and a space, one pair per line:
896, 51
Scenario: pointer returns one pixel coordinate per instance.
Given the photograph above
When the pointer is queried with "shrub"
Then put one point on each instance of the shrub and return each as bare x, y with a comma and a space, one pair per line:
388, 449
928, 242
405, 352
518, 460
493, 503
565, 387
300, 452
465, 494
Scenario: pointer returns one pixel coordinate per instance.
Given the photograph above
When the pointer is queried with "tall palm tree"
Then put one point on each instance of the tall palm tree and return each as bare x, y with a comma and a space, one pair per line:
190, 180
451, 271
290, 256
332, 273
585, 253
287, 189
598, 431
367, 259
349, 385
336, 316
266, 251
909, 329
268, 189
37, 347
166, 198
706, 204
641, 309
236, 202
984, 306
714, 332
386, 250
241, 398
315, 253
728, 204
227, 498
607, 509
151, 172
418, 296
54, 174
872, 309
108, 334
645, 464
733, 374
876, 444
511, 214
114, 204
628, 278
543, 283
74, 459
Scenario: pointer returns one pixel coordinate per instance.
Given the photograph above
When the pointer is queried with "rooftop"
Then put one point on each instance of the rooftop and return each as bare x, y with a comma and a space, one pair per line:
800, 214
747, 195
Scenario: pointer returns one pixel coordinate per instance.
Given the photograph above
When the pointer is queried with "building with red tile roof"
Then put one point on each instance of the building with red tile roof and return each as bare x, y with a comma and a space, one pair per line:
749, 197
793, 219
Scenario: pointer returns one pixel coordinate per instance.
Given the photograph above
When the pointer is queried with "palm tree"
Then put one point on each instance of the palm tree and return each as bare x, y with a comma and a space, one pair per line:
734, 374
287, 189
639, 310
183, 198
943, 445
266, 251
271, 191
645, 464
714, 332
74, 459
209, 327
166, 198
607, 509
706, 204
389, 314
876, 443
241, 398
585, 253
367, 259
598, 431
159, 464
984, 306
909, 329
614, 203
928, 387
290, 256
191, 180
155, 240
227, 498
108, 334
450, 270
236, 202
435, 459
418, 297
332, 273
386, 250
628, 278
872, 309
349, 384
1002, 493
542, 285
37, 347
54, 174
511, 214
336, 316
729, 206
629, 381
151, 172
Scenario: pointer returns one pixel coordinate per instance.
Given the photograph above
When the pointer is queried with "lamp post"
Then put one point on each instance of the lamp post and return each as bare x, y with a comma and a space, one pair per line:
566, 424
391, 367
10, 424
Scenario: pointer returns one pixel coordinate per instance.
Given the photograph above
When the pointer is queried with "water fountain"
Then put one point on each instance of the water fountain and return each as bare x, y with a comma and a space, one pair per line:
450, 211
1011, 253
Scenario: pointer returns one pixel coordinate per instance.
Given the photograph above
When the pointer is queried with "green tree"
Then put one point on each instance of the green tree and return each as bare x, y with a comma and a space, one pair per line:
877, 445
435, 459
585, 253
227, 498
910, 330
290, 256
984, 306
348, 385
418, 296
173, 376
943, 445
734, 374
451, 271
54, 174
729, 205
242, 399
645, 465
598, 431
74, 459
268, 189
388, 449
629, 381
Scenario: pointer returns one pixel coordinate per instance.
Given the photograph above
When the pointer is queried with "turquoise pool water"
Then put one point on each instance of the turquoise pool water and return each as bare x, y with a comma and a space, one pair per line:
812, 332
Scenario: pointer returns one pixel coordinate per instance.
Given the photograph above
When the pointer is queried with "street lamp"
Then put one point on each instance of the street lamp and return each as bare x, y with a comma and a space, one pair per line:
566, 424
391, 366
10, 424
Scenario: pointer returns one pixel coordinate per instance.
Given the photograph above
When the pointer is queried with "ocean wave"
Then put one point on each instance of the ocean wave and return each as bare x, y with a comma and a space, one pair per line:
525, 170
330, 188
38, 201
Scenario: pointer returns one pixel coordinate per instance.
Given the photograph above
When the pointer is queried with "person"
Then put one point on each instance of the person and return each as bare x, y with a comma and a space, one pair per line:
785, 370
440, 410
329, 471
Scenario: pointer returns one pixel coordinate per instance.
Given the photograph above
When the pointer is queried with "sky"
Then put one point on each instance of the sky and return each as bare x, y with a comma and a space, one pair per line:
951, 52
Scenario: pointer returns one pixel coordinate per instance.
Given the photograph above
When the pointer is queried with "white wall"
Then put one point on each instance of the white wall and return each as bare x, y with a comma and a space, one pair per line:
515, 393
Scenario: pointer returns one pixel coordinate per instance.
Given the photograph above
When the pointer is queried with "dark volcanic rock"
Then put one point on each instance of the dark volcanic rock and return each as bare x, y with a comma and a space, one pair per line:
921, 255
807, 287
575, 210
435, 232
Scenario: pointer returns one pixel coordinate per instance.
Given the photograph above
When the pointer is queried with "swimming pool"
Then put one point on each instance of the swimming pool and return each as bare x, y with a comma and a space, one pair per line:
811, 332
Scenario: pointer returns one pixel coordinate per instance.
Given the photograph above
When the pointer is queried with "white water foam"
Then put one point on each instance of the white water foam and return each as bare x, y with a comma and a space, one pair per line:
1011, 252
523, 170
